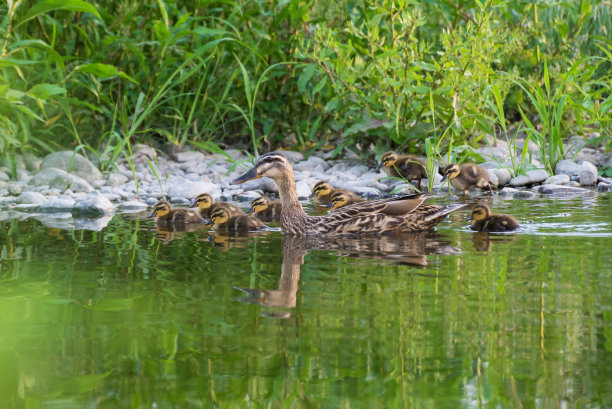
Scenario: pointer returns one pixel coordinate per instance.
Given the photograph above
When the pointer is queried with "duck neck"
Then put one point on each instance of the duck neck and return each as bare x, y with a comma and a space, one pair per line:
291, 207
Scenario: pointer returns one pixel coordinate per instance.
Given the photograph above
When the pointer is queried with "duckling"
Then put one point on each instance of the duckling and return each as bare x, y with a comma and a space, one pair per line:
407, 167
264, 209
322, 191
467, 176
341, 199
166, 216
376, 217
484, 220
223, 222
206, 207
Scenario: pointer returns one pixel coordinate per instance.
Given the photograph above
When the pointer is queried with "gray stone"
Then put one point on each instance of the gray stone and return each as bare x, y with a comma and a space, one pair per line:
572, 183
59, 179
293, 156
182, 201
23, 175
531, 177
356, 185
524, 194
503, 176
4, 177
508, 192
26, 207
531, 146
113, 197
15, 189
603, 187
58, 220
567, 167
132, 206
557, 179
367, 192
78, 164
32, 162
97, 224
188, 189
189, 156
248, 196
588, 174
94, 204
560, 190
303, 189
493, 178
312, 163
151, 201
57, 205
98, 184
263, 184
499, 153
31, 198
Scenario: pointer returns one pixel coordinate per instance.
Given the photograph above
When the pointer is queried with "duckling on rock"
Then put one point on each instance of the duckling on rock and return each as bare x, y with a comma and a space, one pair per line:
166, 216
466, 176
223, 222
322, 191
206, 207
341, 199
407, 167
484, 220
264, 209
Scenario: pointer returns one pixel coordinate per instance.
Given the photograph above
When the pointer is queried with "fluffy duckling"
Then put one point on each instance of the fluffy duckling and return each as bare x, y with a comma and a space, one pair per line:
322, 191
264, 209
166, 216
223, 222
484, 220
408, 167
466, 176
206, 207
341, 199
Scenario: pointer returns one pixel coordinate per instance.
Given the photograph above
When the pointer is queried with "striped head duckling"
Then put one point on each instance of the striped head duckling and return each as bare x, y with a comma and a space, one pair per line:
341, 199
265, 209
467, 176
407, 167
322, 191
165, 215
206, 206
484, 220
223, 222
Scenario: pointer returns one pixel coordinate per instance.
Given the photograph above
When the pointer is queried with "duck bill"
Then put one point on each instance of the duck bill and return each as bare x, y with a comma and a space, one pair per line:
152, 215
193, 203
250, 211
327, 206
380, 165
209, 222
443, 178
312, 195
250, 175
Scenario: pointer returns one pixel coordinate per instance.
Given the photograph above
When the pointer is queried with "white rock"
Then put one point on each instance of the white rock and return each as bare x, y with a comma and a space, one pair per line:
32, 198
4, 176
499, 153
572, 183
303, 189
293, 156
98, 184
26, 207
493, 178
96, 224
560, 191
189, 189
78, 164
557, 179
248, 196
59, 179
132, 207
524, 194
189, 156
603, 187
116, 179
567, 167
588, 174
503, 176
94, 204
57, 205
15, 189
263, 184
312, 163
508, 192
531, 177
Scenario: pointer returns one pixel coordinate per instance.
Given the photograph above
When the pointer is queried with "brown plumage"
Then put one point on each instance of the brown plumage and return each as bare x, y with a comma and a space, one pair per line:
407, 167
264, 209
484, 220
166, 216
385, 216
466, 176
206, 207
322, 192
223, 222
341, 199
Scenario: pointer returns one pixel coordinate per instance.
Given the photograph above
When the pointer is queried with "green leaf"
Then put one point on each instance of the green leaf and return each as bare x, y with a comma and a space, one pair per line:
305, 76
44, 91
104, 71
46, 6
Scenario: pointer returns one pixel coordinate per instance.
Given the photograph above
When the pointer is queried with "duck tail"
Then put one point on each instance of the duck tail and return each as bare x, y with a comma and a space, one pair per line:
443, 211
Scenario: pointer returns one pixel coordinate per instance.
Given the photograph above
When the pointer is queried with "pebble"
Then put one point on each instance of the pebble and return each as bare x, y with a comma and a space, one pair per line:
603, 187
524, 194
3, 176
78, 164
531, 177
57, 205
34, 198
567, 167
493, 178
189, 156
508, 192
588, 174
116, 179
303, 189
560, 190
503, 176
247, 196
557, 179
189, 189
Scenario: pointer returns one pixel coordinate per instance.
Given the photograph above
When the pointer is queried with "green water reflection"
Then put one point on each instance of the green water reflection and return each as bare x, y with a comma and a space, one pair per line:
131, 317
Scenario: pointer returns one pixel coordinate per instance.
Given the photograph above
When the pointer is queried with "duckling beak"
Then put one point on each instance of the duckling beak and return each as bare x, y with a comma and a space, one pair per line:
443, 178
312, 195
250, 175
330, 204
151, 215
193, 203
209, 222
251, 210
380, 165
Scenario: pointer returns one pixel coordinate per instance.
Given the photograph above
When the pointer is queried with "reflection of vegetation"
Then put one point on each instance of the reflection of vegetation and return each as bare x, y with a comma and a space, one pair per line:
117, 319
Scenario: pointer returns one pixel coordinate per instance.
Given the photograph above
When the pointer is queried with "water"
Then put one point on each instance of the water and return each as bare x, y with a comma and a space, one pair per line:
131, 317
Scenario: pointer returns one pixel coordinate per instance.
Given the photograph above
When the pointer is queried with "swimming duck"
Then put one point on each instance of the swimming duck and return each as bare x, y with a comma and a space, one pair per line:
341, 199
206, 207
484, 220
384, 216
223, 222
166, 216
264, 209
322, 191
407, 167
466, 176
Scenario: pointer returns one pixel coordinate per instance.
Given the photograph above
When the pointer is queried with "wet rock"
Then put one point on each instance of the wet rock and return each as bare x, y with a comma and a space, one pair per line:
189, 156
94, 204
531, 177
228, 194
603, 187
78, 164
15, 189
248, 196
360, 184
113, 197
367, 192
508, 192
524, 194
26, 207
116, 179
567, 167
189, 189
503, 176
560, 190
96, 224
4, 177
59, 179
31, 198
557, 180
588, 174
132, 206
572, 183
181, 201
58, 220
57, 205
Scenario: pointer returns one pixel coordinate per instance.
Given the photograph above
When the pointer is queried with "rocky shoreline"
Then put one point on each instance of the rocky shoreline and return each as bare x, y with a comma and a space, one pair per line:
68, 191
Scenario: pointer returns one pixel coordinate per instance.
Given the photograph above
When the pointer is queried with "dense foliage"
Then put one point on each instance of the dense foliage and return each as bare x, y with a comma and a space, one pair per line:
393, 73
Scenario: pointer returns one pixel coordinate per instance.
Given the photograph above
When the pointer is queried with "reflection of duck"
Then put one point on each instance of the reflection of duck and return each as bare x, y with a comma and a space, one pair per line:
483, 240
385, 216
484, 220
206, 207
341, 199
407, 167
224, 223
264, 209
322, 193
165, 215
467, 176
